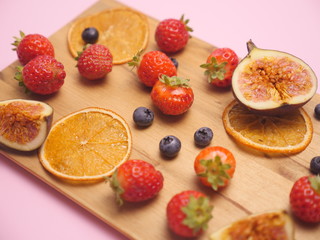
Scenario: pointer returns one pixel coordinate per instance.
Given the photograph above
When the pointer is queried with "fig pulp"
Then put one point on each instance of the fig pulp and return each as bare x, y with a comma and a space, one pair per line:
267, 225
272, 82
24, 124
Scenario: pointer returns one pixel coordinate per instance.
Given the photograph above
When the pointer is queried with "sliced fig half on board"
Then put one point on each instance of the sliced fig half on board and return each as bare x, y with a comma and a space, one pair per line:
273, 82
24, 124
268, 225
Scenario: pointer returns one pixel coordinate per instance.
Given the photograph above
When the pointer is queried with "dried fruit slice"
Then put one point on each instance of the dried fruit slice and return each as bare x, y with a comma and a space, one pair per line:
269, 225
273, 82
87, 145
124, 31
24, 124
286, 133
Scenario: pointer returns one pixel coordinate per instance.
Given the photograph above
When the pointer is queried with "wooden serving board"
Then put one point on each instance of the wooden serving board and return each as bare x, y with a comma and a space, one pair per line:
261, 182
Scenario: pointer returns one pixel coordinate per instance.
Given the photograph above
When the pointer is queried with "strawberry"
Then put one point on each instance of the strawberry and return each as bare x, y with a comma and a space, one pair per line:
305, 199
172, 34
215, 166
94, 62
220, 66
136, 181
172, 95
42, 75
188, 213
32, 45
152, 65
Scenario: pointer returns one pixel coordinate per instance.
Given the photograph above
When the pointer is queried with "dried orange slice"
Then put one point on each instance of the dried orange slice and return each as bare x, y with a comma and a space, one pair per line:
288, 133
87, 145
123, 30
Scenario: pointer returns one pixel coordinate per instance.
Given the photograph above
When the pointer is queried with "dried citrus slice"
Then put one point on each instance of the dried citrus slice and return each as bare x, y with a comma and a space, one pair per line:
87, 145
123, 30
288, 133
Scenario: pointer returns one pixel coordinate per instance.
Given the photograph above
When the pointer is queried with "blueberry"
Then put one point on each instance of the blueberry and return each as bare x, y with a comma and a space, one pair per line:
317, 111
175, 62
90, 35
315, 165
170, 146
203, 136
143, 116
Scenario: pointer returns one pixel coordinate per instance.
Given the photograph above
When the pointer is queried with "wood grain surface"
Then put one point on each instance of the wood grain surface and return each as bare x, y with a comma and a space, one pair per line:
261, 182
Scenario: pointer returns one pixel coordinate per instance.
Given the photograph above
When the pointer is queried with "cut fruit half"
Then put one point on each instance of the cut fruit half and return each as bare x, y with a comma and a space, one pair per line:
272, 82
286, 133
24, 124
87, 145
122, 30
270, 225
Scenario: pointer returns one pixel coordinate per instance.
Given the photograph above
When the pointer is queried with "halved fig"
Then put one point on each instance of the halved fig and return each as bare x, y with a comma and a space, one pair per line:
272, 82
269, 225
24, 124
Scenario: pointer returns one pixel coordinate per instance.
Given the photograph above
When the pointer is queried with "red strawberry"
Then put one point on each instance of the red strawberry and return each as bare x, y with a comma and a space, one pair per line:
136, 181
305, 199
172, 34
42, 75
152, 65
95, 62
32, 45
220, 66
172, 95
215, 166
188, 213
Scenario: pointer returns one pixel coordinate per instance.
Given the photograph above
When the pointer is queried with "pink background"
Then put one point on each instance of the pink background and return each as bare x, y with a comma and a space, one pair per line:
29, 209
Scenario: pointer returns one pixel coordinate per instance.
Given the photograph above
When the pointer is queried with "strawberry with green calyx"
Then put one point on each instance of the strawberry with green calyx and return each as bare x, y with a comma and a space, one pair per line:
95, 62
42, 75
215, 166
172, 35
32, 45
215, 172
215, 69
151, 66
220, 66
188, 213
135, 181
172, 95
305, 199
